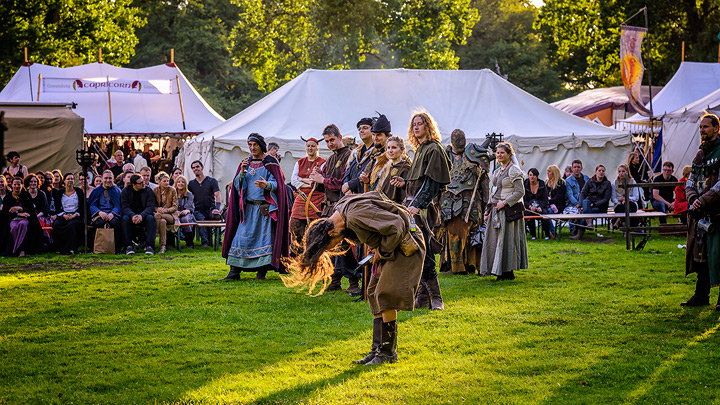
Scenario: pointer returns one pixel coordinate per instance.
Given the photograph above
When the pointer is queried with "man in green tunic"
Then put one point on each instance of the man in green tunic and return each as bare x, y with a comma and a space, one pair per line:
428, 175
703, 195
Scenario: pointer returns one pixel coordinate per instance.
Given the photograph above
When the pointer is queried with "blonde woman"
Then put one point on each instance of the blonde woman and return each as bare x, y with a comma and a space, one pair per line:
186, 209
397, 166
166, 208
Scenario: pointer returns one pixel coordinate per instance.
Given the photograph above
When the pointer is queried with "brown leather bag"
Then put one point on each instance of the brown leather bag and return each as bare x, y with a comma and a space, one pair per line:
514, 212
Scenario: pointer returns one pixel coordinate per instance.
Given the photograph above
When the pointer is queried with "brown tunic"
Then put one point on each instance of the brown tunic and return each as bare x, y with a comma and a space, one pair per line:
399, 169
333, 172
385, 227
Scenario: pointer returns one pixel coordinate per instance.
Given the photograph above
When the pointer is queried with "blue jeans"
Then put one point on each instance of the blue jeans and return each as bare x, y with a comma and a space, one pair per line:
148, 222
660, 207
587, 209
204, 216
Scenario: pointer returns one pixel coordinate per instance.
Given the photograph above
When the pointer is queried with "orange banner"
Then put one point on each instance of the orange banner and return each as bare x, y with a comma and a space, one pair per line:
631, 66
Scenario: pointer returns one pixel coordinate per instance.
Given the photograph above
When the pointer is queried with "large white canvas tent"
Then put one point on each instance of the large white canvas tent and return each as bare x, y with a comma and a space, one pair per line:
476, 101
140, 101
45, 135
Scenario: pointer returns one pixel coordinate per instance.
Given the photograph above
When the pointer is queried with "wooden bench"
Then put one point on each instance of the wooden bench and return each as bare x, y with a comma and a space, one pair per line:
217, 228
562, 219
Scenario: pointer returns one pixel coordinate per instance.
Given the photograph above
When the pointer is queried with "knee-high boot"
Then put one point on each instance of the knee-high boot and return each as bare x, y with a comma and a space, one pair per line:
376, 340
436, 301
422, 300
387, 352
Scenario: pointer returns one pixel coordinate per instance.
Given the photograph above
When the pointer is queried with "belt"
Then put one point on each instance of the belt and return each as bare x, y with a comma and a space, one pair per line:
256, 202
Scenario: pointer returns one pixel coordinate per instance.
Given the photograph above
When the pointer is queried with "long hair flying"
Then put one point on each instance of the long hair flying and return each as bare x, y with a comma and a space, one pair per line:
314, 265
430, 126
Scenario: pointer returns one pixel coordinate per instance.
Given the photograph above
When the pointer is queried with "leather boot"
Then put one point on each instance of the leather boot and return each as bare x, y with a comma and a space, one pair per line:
261, 275
579, 235
233, 274
422, 300
335, 283
377, 331
436, 301
387, 352
354, 287
696, 301
189, 239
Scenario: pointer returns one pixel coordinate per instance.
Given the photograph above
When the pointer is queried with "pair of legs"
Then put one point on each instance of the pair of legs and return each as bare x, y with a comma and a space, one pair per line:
115, 223
428, 293
162, 221
660, 207
147, 223
201, 215
384, 343
68, 234
187, 230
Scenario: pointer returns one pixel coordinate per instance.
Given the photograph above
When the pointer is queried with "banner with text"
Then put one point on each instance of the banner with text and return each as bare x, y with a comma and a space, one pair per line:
631, 66
103, 84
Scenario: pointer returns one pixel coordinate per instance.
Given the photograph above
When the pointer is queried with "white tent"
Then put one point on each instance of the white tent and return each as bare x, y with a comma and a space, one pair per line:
681, 134
478, 102
141, 101
692, 81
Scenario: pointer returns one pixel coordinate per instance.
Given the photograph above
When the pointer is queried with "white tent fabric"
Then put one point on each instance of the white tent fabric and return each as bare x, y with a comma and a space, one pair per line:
149, 103
478, 102
681, 136
692, 81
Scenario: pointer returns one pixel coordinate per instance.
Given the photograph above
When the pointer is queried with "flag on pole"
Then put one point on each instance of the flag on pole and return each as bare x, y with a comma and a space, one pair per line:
631, 66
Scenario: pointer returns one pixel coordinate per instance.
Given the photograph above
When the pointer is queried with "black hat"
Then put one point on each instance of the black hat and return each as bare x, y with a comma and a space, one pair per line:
381, 125
258, 139
365, 121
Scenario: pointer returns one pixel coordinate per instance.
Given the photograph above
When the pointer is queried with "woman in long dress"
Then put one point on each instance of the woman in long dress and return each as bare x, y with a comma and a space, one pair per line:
385, 227
505, 245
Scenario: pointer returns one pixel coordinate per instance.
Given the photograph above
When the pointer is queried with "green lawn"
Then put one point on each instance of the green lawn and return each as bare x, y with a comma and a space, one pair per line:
587, 323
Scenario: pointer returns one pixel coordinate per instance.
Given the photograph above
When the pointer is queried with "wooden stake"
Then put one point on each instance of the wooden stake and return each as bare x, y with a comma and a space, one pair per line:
172, 55
38, 93
682, 54
182, 112
26, 59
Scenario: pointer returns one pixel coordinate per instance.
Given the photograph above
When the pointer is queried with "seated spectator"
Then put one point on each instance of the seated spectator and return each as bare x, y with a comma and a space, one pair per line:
206, 192
680, 206
15, 169
137, 159
557, 193
83, 184
175, 173
48, 184
40, 203
138, 208
3, 235
125, 180
18, 224
662, 197
116, 167
618, 195
105, 209
568, 172
639, 171
186, 208
68, 226
3, 189
595, 197
146, 174
166, 208
536, 202
57, 182
573, 186
97, 181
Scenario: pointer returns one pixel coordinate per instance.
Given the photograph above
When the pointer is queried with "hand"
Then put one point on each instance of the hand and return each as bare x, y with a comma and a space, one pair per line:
109, 216
215, 212
345, 188
53, 218
376, 259
486, 218
501, 205
671, 206
262, 183
23, 214
317, 177
14, 209
136, 219
364, 178
398, 182
244, 164
696, 205
413, 210
67, 217
621, 199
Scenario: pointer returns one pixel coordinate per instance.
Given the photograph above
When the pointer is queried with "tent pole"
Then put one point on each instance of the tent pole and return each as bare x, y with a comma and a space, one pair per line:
682, 53
109, 103
100, 55
26, 60
182, 112
38, 93
172, 55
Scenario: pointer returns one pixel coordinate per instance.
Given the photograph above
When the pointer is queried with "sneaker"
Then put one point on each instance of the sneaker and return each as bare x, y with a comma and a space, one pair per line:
161, 251
149, 251
129, 251
533, 238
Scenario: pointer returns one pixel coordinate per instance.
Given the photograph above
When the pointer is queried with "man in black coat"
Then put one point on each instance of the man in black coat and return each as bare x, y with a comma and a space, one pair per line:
138, 207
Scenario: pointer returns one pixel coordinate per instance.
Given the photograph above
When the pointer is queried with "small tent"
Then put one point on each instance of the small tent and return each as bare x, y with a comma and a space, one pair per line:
609, 105
477, 101
117, 101
46, 135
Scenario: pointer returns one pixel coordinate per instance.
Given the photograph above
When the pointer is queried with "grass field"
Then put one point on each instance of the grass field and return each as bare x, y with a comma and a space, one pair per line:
587, 323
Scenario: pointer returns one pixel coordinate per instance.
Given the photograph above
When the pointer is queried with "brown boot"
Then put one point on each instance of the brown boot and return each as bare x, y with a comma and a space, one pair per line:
436, 301
387, 352
376, 340
422, 300
354, 287
335, 283
579, 235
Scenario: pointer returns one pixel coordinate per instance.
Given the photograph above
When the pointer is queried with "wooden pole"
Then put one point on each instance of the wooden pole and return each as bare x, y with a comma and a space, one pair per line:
172, 55
100, 55
109, 103
682, 53
182, 112
26, 59
38, 92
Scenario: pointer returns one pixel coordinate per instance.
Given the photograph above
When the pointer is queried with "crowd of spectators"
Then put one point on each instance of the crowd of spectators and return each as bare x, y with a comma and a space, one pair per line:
48, 211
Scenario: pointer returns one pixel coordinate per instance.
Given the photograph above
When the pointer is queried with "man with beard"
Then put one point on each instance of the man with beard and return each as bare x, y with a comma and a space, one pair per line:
381, 131
462, 203
703, 195
256, 230
329, 180
359, 158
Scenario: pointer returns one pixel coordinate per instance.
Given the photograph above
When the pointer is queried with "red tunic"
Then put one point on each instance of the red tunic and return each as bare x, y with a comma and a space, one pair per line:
305, 167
